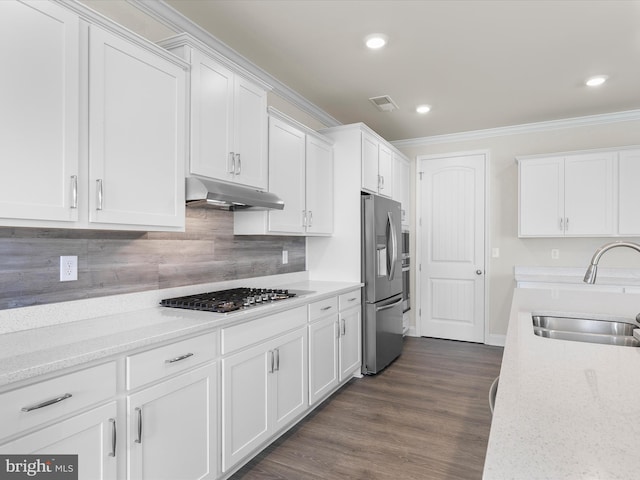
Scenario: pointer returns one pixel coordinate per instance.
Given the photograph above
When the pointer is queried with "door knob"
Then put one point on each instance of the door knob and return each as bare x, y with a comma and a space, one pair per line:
478, 272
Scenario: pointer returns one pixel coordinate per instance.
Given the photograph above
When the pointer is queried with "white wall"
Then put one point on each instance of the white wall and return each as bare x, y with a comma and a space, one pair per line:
503, 204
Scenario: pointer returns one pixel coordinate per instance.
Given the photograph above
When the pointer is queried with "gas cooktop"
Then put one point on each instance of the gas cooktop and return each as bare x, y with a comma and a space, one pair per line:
226, 301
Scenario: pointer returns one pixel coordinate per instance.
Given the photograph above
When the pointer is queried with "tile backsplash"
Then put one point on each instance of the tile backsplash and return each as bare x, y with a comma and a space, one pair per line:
124, 262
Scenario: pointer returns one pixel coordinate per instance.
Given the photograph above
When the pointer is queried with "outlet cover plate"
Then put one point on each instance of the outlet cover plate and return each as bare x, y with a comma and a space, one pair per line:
68, 268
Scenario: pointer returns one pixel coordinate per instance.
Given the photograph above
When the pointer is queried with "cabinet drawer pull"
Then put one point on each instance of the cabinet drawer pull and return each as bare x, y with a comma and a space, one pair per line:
277, 359
100, 193
46, 403
324, 309
338, 329
310, 219
352, 299
177, 359
139, 436
344, 328
238, 169
112, 453
74, 191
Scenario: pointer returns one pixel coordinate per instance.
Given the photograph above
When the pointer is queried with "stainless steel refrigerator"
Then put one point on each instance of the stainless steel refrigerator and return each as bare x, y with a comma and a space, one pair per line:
382, 278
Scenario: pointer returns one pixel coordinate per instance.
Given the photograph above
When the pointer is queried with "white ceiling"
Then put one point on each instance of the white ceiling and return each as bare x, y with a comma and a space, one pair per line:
479, 63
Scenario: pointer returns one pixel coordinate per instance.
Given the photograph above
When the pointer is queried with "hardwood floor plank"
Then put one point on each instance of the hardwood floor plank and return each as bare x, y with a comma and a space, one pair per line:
425, 417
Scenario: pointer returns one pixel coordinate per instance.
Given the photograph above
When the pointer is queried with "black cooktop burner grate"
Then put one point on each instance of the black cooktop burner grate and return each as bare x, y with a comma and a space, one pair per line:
225, 301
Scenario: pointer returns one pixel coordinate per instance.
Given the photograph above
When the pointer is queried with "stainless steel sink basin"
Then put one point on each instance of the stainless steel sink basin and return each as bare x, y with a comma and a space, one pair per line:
590, 330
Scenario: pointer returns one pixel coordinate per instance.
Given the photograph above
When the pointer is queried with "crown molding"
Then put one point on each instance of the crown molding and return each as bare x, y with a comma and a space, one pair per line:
174, 20
602, 119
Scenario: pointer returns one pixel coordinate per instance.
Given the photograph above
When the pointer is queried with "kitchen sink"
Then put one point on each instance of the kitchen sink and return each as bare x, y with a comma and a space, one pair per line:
590, 330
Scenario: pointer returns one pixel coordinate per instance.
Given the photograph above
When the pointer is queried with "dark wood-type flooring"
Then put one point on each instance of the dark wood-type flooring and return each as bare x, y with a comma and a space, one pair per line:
424, 417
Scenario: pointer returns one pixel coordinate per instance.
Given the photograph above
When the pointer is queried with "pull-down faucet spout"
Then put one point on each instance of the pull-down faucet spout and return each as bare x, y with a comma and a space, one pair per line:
592, 269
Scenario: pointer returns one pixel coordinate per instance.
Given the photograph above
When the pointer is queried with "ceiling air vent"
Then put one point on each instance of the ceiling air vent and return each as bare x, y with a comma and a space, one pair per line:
384, 103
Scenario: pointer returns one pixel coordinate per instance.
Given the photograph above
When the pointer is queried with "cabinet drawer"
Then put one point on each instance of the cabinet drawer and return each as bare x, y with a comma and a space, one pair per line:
42, 402
160, 362
350, 299
240, 336
322, 308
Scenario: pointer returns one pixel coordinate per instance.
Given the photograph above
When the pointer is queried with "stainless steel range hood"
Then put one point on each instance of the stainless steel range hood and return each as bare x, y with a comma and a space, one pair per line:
227, 196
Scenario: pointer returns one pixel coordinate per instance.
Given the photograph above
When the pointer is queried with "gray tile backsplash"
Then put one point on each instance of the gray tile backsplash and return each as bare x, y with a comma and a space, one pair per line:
123, 262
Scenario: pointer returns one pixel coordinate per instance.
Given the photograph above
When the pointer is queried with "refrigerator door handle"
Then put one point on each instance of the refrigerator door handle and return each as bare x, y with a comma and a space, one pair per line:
391, 305
392, 253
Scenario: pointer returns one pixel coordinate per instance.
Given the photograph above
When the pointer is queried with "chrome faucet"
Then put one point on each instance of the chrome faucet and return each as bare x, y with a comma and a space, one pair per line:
592, 269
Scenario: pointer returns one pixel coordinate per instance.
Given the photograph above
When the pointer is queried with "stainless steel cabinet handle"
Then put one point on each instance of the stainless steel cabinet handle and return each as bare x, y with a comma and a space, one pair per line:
391, 305
46, 403
352, 299
177, 359
139, 437
304, 218
338, 329
566, 224
381, 182
343, 331
310, 218
324, 309
272, 360
277, 359
99, 188
238, 164
74, 191
232, 163
113, 437
561, 224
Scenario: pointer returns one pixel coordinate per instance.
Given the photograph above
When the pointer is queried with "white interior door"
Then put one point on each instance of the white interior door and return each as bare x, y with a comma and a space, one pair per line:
452, 247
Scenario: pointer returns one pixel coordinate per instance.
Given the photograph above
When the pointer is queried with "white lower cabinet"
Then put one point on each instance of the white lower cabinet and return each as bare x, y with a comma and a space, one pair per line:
323, 357
350, 342
91, 435
171, 429
264, 388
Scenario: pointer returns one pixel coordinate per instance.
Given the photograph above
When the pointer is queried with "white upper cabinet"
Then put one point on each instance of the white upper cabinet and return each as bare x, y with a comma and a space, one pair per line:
578, 194
301, 174
39, 118
79, 91
629, 193
136, 134
377, 166
402, 186
228, 117
385, 170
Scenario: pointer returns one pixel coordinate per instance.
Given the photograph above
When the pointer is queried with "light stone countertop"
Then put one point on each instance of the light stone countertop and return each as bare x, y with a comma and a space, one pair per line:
30, 353
565, 410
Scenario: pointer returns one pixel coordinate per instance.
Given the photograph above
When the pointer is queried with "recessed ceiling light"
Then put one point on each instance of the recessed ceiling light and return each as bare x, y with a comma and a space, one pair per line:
596, 81
375, 41
423, 108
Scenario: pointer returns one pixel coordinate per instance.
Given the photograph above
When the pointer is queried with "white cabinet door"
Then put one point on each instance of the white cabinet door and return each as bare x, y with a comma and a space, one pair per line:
172, 428
290, 391
245, 419
350, 341
250, 134
323, 357
91, 435
264, 389
370, 178
39, 113
319, 187
136, 134
212, 87
385, 170
588, 194
287, 176
541, 194
628, 192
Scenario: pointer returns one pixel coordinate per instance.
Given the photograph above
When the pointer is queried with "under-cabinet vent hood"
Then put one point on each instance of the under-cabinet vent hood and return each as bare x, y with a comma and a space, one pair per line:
227, 196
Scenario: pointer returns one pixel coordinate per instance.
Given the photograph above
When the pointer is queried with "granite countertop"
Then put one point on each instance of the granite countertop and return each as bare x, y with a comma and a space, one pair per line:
565, 410
29, 353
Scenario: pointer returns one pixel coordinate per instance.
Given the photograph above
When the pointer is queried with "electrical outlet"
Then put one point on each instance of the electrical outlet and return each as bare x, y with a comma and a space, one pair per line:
285, 257
555, 254
68, 268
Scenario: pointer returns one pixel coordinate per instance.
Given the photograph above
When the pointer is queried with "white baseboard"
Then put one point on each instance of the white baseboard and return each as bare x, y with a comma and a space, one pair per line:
495, 340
